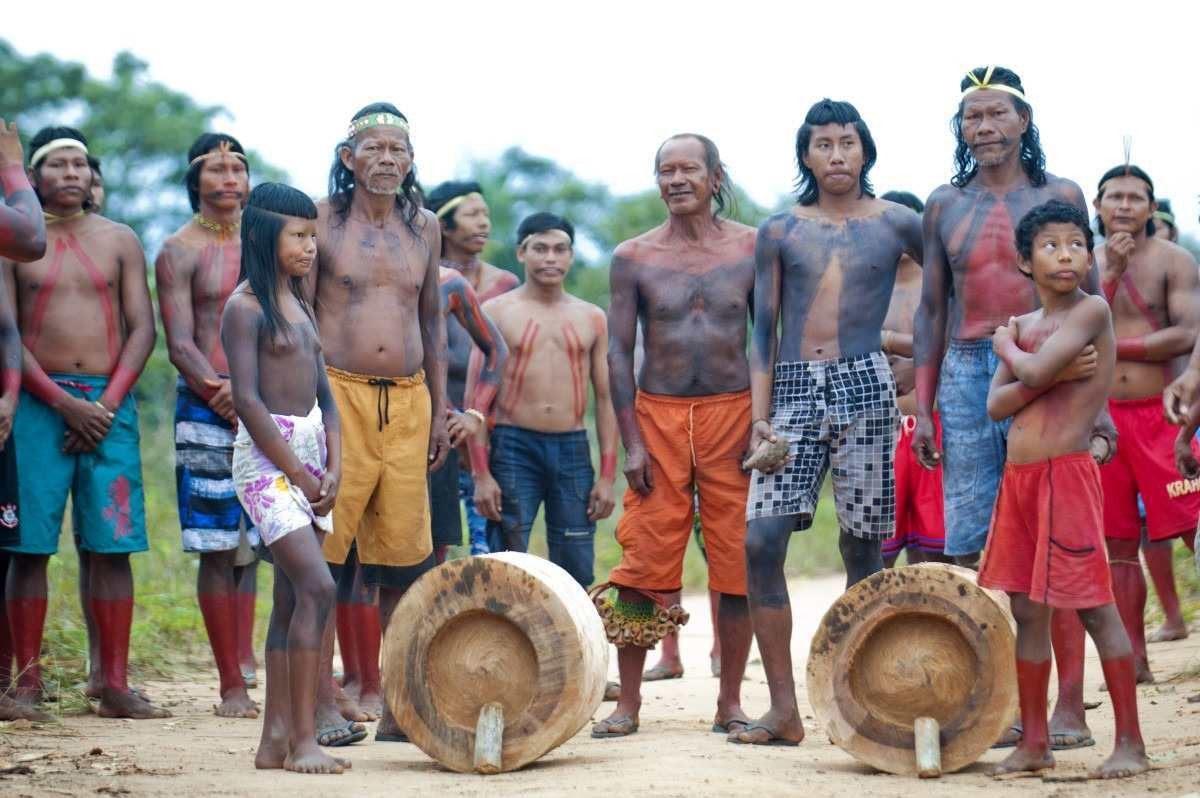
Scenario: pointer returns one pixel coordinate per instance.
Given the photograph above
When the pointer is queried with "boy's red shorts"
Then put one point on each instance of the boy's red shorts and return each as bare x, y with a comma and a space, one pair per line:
920, 520
1047, 534
1145, 464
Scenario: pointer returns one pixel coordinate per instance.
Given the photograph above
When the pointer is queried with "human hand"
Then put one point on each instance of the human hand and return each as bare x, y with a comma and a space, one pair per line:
1180, 394
90, 420
924, 444
221, 402
11, 153
439, 443
460, 426
1081, 368
637, 470
8, 410
1004, 335
1185, 458
487, 496
600, 500
1105, 430
1117, 249
902, 371
328, 492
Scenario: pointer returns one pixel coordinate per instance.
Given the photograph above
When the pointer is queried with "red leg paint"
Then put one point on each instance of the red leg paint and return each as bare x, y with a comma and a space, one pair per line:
220, 619
113, 619
1120, 674
26, 622
245, 626
1033, 682
347, 636
369, 640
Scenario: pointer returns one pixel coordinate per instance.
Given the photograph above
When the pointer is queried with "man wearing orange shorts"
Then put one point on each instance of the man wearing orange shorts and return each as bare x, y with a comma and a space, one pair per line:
1151, 285
688, 283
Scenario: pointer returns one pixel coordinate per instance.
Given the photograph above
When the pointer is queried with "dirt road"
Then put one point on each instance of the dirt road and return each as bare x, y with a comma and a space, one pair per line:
674, 754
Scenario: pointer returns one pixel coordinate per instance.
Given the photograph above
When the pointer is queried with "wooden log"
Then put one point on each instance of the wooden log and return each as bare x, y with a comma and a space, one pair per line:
928, 746
508, 628
913, 642
489, 738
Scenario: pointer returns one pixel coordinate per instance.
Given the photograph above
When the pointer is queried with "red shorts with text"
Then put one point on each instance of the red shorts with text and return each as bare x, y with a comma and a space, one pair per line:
1047, 536
920, 522
1145, 465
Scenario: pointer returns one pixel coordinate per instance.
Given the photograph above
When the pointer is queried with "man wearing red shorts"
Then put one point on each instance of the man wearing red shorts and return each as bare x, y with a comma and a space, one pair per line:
1151, 285
1044, 545
920, 523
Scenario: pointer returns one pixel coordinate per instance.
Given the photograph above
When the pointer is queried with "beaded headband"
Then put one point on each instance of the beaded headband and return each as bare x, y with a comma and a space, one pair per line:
375, 120
44, 150
986, 83
454, 203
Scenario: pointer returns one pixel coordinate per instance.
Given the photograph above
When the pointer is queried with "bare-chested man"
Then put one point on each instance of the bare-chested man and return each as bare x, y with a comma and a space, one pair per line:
466, 224
87, 326
1152, 287
688, 284
22, 239
920, 530
539, 448
383, 337
825, 269
970, 254
195, 274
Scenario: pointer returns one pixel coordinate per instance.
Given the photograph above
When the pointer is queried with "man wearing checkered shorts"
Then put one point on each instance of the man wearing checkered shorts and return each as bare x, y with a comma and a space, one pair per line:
826, 267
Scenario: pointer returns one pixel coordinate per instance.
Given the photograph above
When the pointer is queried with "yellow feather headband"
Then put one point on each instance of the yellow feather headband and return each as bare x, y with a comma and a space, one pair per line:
986, 83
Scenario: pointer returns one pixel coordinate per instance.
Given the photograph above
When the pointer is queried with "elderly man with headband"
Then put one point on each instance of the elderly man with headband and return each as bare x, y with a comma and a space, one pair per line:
87, 325
383, 336
970, 253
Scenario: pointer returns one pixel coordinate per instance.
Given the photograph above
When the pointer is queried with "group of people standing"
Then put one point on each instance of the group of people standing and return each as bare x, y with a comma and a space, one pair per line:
335, 359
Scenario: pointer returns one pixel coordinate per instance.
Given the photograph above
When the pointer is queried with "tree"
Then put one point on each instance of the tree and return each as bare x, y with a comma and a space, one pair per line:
139, 129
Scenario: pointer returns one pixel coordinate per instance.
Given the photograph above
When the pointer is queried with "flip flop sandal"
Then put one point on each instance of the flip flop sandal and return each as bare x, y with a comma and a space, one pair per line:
728, 726
620, 727
1076, 741
775, 739
355, 734
250, 679
1010, 738
659, 674
1092, 704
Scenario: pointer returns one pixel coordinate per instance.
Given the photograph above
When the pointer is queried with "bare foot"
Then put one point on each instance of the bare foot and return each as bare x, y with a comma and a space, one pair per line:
1168, 632
236, 703
353, 689
1023, 760
19, 710
349, 707
272, 748
95, 688
117, 704
1125, 761
309, 758
1069, 729
770, 729
371, 703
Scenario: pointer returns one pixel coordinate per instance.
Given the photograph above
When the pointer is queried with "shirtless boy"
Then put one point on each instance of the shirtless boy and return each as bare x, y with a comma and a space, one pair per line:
87, 325
195, 273
539, 447
1045, 543
827, 267
1152, 286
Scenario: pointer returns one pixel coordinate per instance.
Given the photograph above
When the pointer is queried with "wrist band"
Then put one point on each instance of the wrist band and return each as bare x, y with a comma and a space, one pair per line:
475, 414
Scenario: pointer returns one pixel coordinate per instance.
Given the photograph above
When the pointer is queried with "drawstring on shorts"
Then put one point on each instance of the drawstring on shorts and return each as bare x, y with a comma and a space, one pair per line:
383, 401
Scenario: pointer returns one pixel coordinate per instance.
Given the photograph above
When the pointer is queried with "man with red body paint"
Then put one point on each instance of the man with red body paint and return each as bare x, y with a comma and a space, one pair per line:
22, 238
539, 447
969, 253
1152, 285
1043, 547
87, 325
195, 274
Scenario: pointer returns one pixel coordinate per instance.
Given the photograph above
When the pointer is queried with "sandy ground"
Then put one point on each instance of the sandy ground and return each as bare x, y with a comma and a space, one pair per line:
674, 753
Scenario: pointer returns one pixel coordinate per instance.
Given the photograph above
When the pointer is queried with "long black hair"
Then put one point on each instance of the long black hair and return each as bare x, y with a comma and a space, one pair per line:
723, 196
262, 221
830, 112
341, 179
1033, 160
1126, 170
206, 143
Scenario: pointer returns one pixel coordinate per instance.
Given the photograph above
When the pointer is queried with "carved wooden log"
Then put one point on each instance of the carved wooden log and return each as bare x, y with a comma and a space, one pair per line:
917, 642
508, 628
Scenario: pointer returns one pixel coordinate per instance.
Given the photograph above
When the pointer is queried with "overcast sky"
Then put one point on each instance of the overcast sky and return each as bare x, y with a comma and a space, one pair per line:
597, 86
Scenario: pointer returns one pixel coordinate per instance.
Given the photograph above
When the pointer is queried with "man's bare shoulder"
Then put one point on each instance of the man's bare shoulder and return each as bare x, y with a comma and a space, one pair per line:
1173, 255
943, 195
583, 307
636, 249
186, 242
500, 304
1091, 309
1064, 188
100, 228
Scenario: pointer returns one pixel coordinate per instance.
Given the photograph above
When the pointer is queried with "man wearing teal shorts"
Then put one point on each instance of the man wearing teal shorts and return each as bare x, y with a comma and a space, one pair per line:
83, 311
